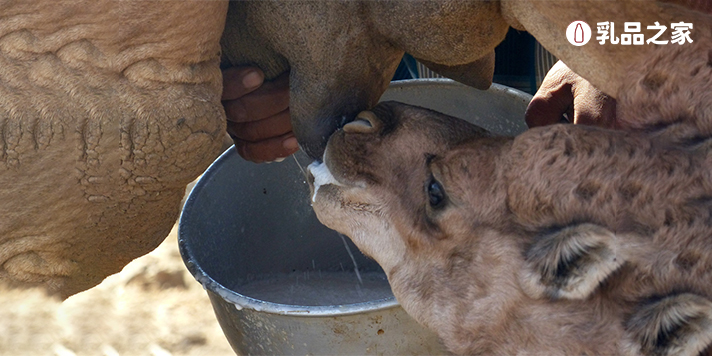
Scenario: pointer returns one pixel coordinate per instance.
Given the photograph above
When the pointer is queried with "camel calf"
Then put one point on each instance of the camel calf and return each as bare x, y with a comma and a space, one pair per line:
564, 240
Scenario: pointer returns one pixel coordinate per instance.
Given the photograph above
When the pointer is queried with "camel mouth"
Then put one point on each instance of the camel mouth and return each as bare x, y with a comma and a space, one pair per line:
321, 175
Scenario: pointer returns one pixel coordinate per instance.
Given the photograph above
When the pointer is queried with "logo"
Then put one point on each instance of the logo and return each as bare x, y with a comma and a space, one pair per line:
633, 34
578, 33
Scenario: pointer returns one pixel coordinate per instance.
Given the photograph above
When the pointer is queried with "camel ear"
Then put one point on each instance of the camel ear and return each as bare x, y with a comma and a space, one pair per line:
570, 263
680, 324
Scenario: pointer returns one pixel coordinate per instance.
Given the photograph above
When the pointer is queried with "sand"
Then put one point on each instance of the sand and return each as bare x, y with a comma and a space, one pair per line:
153, 307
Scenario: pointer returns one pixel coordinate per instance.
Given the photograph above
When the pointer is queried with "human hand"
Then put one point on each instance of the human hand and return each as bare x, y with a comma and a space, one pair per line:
258, 114
565, 92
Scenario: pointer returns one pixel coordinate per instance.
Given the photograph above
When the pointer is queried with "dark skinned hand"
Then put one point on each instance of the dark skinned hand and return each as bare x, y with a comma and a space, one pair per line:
258, 114
565, 92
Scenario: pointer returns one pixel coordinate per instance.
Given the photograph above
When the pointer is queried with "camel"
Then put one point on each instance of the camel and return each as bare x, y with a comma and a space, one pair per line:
109, 108
563, 240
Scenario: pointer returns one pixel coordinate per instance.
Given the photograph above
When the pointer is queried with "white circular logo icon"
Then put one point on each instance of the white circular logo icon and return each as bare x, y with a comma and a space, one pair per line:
578, 33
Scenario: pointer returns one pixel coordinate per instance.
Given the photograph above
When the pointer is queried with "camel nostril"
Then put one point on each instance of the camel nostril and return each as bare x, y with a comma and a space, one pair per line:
365, 122
358, 126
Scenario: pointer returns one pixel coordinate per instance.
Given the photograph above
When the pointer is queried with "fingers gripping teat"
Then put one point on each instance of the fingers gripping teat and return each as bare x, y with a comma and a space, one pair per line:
322, 176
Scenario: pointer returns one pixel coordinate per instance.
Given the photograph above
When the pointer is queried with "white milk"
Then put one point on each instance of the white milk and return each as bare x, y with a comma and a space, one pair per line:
322, 176
318, 288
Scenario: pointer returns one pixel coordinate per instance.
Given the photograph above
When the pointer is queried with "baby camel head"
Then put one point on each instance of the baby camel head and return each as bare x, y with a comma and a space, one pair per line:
399, 182
427, 196
381, 182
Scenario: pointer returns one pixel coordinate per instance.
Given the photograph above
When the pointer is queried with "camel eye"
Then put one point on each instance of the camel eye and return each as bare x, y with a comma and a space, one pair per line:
436, 193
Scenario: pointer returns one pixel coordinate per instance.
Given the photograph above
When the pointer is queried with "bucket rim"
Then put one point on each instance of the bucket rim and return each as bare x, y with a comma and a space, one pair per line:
241, 301
499, 89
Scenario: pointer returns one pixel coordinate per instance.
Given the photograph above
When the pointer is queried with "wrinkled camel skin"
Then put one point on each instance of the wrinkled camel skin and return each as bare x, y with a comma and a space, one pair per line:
491, 259
108, 108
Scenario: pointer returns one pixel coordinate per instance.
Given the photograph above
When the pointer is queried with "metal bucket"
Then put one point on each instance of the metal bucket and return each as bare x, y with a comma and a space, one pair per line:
243, 221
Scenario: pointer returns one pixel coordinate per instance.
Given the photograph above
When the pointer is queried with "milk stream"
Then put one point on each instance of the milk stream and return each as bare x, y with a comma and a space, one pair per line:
348, 249
322, 176
317, 287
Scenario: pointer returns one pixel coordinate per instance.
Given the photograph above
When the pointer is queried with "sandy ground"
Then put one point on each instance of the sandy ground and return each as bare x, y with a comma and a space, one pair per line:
153, 307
